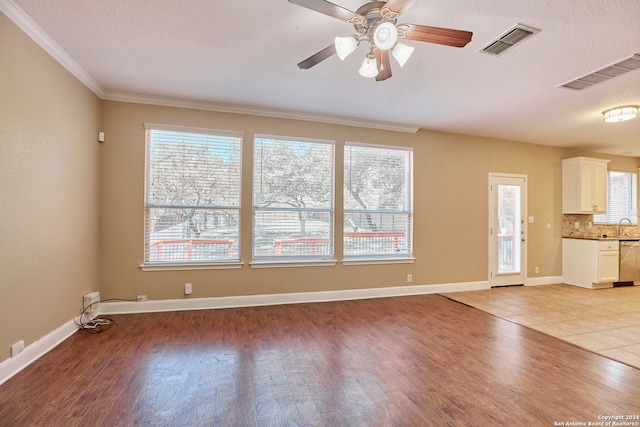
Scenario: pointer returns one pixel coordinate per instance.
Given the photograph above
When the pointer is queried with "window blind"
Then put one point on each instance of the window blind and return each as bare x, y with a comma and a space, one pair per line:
378, 211
293, 199
192, 196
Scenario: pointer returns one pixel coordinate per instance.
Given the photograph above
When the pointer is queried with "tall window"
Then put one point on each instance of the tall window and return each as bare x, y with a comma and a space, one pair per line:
378, 212
192, 196
292, 199
622, 198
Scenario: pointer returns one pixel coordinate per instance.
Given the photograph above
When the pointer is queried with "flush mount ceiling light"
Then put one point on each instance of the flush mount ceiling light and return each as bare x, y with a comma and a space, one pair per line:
376, 24
620, 114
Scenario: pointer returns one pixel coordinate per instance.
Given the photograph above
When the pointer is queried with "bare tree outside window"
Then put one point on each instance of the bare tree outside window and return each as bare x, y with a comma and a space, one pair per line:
377, 201
192, 197
293, 198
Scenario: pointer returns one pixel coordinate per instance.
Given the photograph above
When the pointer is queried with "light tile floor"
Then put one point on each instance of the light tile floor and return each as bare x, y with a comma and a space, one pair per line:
605, 321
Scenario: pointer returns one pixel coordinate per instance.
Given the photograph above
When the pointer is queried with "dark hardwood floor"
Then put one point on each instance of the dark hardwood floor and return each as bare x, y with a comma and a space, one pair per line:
409, 361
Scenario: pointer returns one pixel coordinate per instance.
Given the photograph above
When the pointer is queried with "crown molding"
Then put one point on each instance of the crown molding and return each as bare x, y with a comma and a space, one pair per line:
254, 111
33, 30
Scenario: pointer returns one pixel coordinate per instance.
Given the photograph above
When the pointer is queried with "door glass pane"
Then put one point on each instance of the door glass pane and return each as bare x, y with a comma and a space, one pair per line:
509, 229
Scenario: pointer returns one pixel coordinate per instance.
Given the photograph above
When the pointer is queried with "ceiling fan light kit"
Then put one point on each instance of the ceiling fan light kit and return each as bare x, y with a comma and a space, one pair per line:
345, 46
402, 52
375, 23
385, 36
620, 114
369, 66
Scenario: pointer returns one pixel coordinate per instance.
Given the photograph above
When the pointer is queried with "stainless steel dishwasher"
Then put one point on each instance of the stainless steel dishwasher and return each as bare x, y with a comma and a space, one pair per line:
629, 263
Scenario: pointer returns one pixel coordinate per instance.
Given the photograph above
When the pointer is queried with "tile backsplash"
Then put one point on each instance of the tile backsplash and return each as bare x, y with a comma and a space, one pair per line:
596, 231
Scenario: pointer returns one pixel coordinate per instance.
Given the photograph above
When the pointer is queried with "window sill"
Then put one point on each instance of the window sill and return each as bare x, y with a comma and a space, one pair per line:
370, 261
191, 266
273, 264
292, 263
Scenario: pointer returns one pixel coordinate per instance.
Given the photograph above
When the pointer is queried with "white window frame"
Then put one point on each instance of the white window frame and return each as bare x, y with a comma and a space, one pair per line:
262, 261
608, 218
382, 258
234, 260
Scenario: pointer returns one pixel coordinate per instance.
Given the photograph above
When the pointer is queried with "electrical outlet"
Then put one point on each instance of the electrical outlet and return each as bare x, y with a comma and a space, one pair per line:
537, 269
409, 278
141, 298
90, 303
188, 288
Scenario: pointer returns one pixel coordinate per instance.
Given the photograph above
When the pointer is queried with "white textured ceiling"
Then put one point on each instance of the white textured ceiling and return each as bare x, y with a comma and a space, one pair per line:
243, 54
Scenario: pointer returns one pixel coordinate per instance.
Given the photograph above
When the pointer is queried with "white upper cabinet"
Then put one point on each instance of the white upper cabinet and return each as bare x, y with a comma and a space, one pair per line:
584, 185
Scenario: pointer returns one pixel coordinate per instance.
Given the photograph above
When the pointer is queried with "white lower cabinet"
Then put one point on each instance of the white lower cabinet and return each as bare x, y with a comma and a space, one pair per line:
590, 263
608, 265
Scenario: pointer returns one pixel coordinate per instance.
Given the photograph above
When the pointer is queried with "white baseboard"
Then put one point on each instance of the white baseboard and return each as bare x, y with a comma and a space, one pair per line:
12, 366
550, 280
33, 352
276, 299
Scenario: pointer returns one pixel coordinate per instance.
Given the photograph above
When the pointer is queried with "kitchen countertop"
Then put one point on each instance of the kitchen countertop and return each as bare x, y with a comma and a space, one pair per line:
634, 238
637, 238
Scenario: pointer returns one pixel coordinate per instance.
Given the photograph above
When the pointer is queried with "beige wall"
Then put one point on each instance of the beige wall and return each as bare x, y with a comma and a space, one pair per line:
71, 210
49, 184
451, 211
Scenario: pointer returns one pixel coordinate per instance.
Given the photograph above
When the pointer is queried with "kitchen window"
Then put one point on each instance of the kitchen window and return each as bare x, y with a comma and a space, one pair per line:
192, 198
622, 198
378, 203
293, 201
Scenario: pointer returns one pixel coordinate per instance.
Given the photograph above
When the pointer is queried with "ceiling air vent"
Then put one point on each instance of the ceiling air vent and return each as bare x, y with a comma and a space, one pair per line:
515, 35
604, 74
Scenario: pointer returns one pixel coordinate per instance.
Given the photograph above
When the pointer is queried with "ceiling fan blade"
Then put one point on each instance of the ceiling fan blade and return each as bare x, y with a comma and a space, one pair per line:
398, 6
330, 9
384, 66
445, 36
318, 57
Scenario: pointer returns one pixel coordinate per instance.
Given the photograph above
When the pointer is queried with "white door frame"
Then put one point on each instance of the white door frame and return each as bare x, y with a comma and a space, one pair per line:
513, 279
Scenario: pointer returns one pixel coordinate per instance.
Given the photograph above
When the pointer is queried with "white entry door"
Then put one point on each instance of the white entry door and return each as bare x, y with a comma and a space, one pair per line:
507, 229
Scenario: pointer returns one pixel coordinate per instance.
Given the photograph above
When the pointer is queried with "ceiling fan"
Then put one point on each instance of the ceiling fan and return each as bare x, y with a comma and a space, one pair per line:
376, 24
